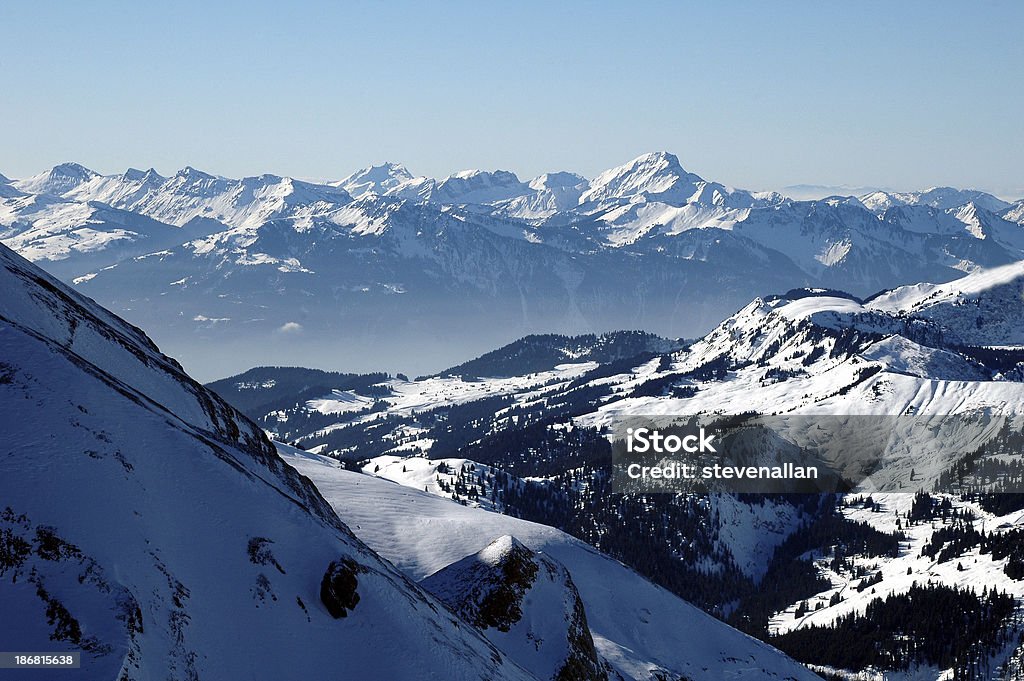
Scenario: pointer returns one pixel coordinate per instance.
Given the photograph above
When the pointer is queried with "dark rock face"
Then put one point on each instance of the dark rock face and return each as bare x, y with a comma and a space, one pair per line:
582, 663
501, 607
515, 595
338, 587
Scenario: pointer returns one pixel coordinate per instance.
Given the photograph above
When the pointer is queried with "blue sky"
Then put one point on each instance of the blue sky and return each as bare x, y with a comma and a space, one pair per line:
755, 94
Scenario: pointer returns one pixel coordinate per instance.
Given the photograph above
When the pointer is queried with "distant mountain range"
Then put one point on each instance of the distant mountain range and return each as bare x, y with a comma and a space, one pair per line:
231, 273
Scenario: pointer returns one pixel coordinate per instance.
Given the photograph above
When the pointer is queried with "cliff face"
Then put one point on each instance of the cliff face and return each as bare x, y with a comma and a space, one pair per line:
526, 604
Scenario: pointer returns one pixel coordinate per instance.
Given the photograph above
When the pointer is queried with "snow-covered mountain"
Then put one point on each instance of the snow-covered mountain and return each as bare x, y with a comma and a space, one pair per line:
550, 194
942, 198
374, 180
922, 349
8, 190
74, 220
149, 526
57, 181
71, 238
191, 193
985, 308
533, 444
646, 245
1015, 213
467, 186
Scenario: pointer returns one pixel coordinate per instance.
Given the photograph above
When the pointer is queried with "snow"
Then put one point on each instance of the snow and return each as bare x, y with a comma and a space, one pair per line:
913, 298
423, 474
541, 638
641, 245
340, 402
936, 197
163, 488
638, 627
58, 180
468, 186
896, 366
910, 567
374, 180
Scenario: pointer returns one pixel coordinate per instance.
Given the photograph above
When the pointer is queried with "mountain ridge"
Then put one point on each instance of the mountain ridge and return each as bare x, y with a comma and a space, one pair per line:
647, 244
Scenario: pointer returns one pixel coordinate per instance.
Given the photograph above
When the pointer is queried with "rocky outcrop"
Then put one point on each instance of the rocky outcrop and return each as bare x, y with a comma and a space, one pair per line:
527, 605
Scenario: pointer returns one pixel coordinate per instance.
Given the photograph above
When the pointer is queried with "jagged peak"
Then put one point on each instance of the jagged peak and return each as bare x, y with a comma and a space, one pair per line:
143, 176
266, 179
374, 179
656, 173
390, 169
191, 173
664, 157
504, 176
382, 170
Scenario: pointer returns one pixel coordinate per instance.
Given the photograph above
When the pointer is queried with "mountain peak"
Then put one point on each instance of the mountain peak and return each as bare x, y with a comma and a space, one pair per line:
392, 170
465, 187
941, 198
662, 157
145, 176
655, 174
502, 549
557, 180
266, 178
501, 175
526, 604
58, 180
375, 179
72, 169
193, 174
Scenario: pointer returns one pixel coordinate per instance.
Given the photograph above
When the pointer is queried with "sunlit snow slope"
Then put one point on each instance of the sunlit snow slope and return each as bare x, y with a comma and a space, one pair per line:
149, 526
639, 628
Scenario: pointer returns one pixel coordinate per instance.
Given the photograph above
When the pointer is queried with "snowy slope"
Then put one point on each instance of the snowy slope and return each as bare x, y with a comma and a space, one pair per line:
71, 238
8, 190
1015, 213
911, 565
640, 629
151, 527
436, 476
925, 557
985, 308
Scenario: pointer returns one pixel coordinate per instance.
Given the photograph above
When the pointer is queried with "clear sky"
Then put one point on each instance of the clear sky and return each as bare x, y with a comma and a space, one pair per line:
754, 94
